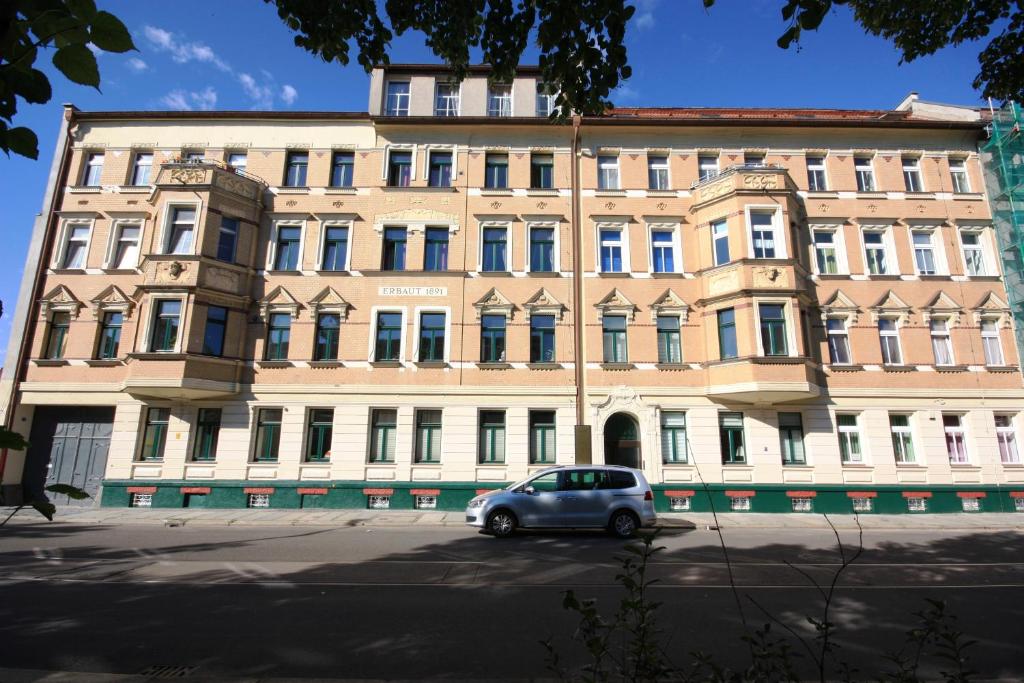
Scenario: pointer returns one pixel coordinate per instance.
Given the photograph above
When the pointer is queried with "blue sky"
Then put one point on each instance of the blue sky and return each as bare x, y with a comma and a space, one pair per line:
239, 55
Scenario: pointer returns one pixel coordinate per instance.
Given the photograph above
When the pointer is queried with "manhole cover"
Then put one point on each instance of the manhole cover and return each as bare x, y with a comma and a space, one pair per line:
163, 671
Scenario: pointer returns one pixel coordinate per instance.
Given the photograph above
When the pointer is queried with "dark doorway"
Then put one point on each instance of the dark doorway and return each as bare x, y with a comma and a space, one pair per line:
622, 441
68, 445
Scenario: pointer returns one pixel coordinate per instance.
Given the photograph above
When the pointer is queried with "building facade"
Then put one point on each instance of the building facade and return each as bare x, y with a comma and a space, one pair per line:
764, 310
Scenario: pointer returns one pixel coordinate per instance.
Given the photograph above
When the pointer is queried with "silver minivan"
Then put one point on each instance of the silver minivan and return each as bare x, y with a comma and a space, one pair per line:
585, 496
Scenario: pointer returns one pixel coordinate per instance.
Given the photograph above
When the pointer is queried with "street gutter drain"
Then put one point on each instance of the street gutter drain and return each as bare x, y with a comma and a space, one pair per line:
164, 671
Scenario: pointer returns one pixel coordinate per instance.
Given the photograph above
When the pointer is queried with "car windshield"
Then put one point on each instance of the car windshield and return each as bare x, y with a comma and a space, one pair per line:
523, 482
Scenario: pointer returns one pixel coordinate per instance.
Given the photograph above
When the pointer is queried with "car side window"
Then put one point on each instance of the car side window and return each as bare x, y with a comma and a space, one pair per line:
580, 480
546, 482
618, 480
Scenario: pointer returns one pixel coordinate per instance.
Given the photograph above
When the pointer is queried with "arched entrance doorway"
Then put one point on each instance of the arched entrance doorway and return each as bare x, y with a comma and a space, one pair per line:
622, 441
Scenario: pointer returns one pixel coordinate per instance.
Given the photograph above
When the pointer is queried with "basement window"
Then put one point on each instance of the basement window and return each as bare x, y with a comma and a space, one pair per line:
1018, 504
861, 504
378, 502
917, 504
141, 500
802, 504
259, 500
426, 502
680, 504
971, 504
740, 503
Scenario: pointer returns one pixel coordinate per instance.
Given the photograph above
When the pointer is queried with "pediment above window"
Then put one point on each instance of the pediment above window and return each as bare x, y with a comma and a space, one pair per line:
840, 305
991, 307
543, 303
616, 303
942, 306
60, 299
891, 306
494, 303
670, 303
112, 299
328, 301
279, 300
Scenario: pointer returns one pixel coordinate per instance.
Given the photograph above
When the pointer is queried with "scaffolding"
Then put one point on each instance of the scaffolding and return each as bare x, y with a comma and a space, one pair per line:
1003, 160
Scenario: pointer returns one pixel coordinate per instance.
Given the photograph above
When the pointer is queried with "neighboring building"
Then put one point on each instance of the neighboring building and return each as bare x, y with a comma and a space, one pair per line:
803, 308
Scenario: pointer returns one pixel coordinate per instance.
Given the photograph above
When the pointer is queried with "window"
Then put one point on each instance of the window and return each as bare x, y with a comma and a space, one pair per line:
972, 504
399, 168
739, 503
611, 250
958, 174
319, 430
383, 435
279, 331
180, 231
431, 337
924, 252
545, 100
707, 167
679, 503
1018, 504
141, 500
941, 345
773, 329
542, 171
440, 174
296, 164
861, 504
802, 504
216, 330
141, 168
125, 249
542, 250
492, 339
825, 251
673, 437
287, 247
902, 439
917, 504
76, 247
335, 256
110, 335
542, 339
838, 341
237, 162
912, 173
268, 434
865, 174
755, 159
428, 436
378, 502
542, 436
397, 102
492, 436
435, 249
727, 333
791, 438
762, 232
166, 316
875, 252
889, 337
342, 169
446, 99
93, 170
669, 347
849, 439
720, 242
494, 249
816, 181
394, 249
614, 338
974, 253
389, 337
192, 156
956, 445
657, 172
204, 449
328, 330
663, 248
58, 335
154, 436
730, 434
991, 343
608, 172
496, 171
1006, 436
499, 99
227, 239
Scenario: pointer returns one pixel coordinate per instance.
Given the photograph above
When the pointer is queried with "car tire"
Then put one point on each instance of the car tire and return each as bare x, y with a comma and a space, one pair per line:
623, 524
502, 523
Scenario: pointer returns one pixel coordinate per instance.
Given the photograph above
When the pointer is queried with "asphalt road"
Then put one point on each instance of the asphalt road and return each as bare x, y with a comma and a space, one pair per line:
375, 602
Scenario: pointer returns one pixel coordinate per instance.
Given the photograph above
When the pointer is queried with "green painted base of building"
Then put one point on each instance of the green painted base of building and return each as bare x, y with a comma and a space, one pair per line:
453, 496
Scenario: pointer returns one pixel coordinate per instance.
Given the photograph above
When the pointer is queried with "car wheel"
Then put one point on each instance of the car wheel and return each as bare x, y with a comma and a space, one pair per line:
502, 523
623, 524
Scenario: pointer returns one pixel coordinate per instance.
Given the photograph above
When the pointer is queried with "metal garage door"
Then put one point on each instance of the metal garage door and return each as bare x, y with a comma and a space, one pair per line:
68, 445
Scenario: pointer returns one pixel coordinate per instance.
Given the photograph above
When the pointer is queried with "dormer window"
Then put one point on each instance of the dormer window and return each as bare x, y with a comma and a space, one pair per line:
446, 99
499, 99
545, 100
397, 103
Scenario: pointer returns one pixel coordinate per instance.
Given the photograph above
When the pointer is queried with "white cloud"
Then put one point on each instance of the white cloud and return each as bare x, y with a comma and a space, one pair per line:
261, 94
179, 100
204, 100
176, 99
137, 65
289, 94
644, 16
624, 94
183, 52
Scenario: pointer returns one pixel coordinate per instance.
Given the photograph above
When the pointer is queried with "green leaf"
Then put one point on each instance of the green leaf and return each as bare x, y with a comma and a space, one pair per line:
20, 141
45, 509
86, 9
108, 33
31, 84
78, 63
72, 492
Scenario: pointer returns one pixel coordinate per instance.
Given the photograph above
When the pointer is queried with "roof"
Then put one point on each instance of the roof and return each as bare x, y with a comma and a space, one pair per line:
758, 113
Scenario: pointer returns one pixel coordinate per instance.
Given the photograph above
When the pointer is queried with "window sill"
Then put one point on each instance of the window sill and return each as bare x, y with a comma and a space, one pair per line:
385, 363
968, 196
609, 193
85, 189
104, 362
68, 271
910, 466
617, 366
264, 463
832, 276
490, 464
494, 366
157, 355
333, 273
544, 366
50, 362
614, 275
984, 278
899, 368
326, 364
842, 367
432, 364
1001, 368
651, 192
494, 273
270, 364
495, 192
380, 463
134, 189
541, 192
856, 466
121, 271
304, 189
884, 278
667, 276
920, 195
417, 188
672, 366
822, 194
340, 190
871, 195
935, 278
950, 368
543, 273
965, 466
319, 462
292, 271
797, 466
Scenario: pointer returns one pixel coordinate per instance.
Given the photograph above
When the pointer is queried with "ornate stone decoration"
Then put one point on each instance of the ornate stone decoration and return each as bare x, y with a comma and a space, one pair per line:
942, 306
59, 300
609, 205
840, 305
543, 303
670, 303
494, 303
495, 205
279, 299
112, 299
992, 307
328, 301
542, 205
188, 176
616, 303
770, 277
760, 181
891, 306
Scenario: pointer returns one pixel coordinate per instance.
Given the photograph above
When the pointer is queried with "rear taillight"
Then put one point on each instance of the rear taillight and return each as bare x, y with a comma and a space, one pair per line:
648, 495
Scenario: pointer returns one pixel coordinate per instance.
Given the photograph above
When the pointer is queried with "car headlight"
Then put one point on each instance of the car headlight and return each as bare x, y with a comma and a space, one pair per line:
476, 502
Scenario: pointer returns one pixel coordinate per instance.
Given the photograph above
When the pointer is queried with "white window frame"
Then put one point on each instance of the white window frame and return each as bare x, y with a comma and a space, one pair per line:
412, 160
150, 321
982, 249
135, 166
86, 166
714, 252
417, 311
778, 234
823, 167
992, 334
838, 245
845, 320
623, 228
165, 226
557, 248
275, 229
67, 225
958, 432
740, 503
842, 431
458, 97
943, 336
1010, 429
511, 100
959, 169
888, 248
549, 100
387, 96
321, 242
895, 333
909, 430
787, 310
862, 504
666, 166
116, 229
238, 153
936, 246
507, 225
911, 164
677, 246
374, 311
602, 167
917, 503
703, 166
859, 166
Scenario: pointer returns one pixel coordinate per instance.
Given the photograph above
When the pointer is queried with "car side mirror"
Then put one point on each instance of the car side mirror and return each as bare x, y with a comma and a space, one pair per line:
529, 490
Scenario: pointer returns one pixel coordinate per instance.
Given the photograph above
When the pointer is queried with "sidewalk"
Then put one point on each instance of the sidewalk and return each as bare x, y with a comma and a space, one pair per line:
431, 518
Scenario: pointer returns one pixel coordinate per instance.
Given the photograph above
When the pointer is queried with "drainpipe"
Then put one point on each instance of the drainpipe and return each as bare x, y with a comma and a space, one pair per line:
584, 443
